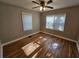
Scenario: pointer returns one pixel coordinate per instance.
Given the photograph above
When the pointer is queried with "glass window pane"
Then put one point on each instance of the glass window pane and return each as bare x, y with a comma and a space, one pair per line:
27, 22
56, 22
59, 22
49, 22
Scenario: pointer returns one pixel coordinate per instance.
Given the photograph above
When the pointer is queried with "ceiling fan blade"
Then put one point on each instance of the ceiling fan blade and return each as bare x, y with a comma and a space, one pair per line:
35, 2
35, 7
50, 1
49, 7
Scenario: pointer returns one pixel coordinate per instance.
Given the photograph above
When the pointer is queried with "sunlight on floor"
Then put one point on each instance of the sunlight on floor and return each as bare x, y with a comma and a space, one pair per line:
36, 53
55, 45
40, 37
30, 48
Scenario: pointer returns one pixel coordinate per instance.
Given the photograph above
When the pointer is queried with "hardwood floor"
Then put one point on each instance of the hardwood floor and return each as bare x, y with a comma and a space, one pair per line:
41, 46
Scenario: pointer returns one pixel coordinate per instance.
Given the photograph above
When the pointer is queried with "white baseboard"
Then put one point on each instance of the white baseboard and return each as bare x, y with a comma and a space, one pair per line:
77, 46
14, 41
36, 33
18, 39
59, 36
77, 43
33, 34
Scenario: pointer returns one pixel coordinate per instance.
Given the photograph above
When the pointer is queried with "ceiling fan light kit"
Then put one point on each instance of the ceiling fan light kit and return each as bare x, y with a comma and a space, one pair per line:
43, 4
42, 8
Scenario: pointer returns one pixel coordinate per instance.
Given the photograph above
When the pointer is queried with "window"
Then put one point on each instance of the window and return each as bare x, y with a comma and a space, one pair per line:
49, 22
55, 22
27, 21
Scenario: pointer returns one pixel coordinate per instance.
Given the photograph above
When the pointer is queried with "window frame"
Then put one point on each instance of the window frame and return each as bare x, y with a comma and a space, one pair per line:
26, 13
54, 19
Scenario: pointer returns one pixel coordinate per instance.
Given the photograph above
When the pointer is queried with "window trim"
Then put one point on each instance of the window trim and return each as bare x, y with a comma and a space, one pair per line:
54, 17
26, 13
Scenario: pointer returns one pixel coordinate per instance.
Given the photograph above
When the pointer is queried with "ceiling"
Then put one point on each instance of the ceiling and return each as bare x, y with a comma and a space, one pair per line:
56, 4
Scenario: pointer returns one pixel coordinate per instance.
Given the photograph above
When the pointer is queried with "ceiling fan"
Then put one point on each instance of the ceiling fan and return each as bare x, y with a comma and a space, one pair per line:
42, 4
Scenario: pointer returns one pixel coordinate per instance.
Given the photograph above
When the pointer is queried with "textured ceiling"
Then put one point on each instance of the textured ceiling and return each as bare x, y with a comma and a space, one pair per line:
56, 4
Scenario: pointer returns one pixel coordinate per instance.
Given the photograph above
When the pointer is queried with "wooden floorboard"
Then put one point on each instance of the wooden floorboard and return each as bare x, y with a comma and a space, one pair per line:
49, 47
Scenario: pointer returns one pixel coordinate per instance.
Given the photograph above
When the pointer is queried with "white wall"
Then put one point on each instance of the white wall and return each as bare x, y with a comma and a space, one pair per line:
11, 22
